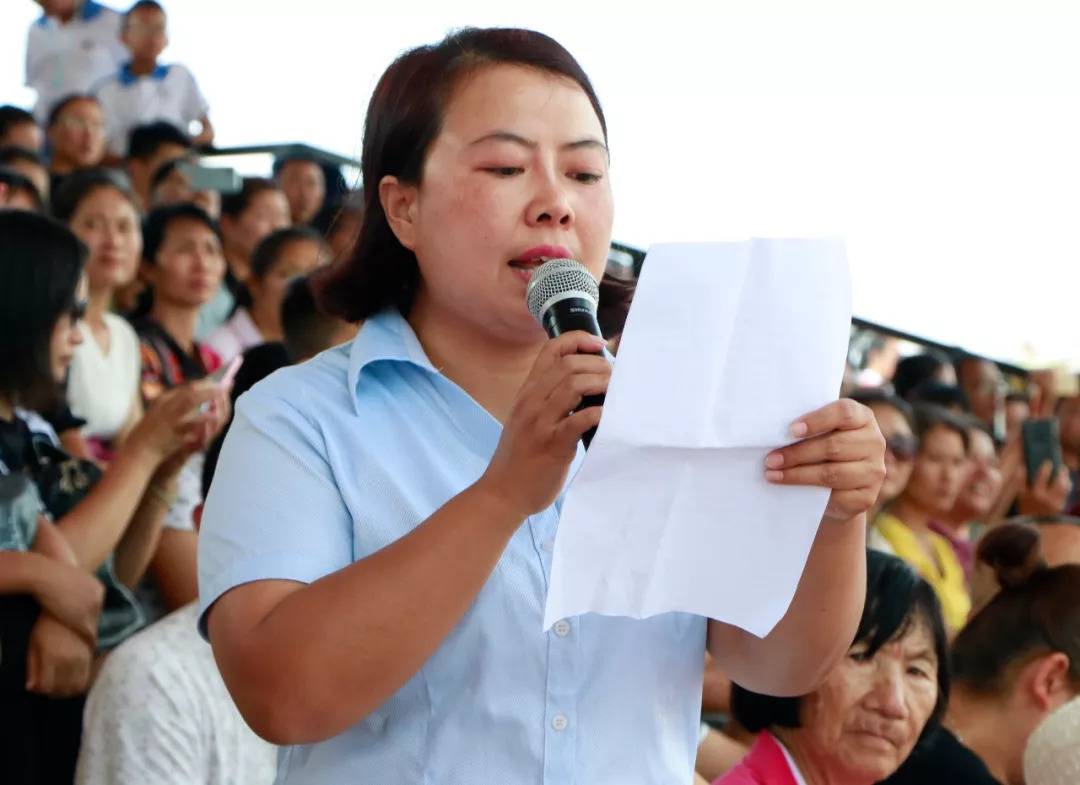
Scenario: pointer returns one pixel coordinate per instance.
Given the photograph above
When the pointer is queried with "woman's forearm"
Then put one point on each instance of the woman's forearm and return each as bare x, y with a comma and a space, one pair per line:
22, 572
97, 523
323, 656
818, 627
140, 540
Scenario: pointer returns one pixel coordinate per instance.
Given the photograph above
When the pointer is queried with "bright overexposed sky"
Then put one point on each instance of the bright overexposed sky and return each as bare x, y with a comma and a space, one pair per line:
940, 139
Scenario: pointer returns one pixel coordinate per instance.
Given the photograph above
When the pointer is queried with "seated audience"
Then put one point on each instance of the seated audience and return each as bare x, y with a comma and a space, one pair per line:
984, 385
1014, 664
247, 217
76, 137
171, 185
866, 717
183, 266
1052, 756
144, 90
936, 481
29, 163
18, 128
913, 371
103, 384
18, 193
150, 147
895, 419
302, 181
105, 524
71, 48
159, 711
281, 256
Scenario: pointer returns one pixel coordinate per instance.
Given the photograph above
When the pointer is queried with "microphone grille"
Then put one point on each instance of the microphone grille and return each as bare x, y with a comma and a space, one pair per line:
557, 277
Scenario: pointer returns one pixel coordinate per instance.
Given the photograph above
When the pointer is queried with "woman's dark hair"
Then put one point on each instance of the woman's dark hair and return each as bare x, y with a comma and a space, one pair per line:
232, 205
913, 371
946, 395
11, 116
145, 140
157, 223
80, 184
17, 182
877, 396
929, 416
269, 250
1035, 613
40, 265
162, 173
404, 117
897, 600
13, 154
59, 107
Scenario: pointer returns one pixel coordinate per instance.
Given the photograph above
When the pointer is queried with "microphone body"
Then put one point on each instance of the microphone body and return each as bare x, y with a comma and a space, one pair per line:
563, 297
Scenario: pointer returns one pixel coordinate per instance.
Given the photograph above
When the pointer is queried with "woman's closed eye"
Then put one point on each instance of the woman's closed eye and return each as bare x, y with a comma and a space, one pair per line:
860, 655
587, 177
504, 171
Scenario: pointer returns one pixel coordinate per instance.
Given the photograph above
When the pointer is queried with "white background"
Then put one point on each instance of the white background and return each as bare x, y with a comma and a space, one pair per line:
941, 139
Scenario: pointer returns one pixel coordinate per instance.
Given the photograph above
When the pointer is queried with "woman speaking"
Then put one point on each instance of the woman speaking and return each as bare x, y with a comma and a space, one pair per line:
376, 547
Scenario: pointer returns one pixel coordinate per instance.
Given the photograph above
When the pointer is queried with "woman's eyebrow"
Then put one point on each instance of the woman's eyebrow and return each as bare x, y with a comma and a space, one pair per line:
518, 139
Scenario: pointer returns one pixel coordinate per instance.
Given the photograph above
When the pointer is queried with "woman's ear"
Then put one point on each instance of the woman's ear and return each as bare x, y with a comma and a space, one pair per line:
1049, 683
399, 203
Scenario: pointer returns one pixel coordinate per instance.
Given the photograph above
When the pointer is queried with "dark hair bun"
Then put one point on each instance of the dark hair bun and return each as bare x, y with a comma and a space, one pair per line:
1013, 551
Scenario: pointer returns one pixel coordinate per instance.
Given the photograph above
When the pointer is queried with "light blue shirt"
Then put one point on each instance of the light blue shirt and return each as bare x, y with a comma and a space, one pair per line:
332, 460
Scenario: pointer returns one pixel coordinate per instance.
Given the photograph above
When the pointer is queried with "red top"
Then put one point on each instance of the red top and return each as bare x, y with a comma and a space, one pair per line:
765, 764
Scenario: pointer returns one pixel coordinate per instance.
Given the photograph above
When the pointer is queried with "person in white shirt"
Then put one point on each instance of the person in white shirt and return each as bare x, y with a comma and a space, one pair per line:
159, 711
279, 258
70, 48
144, 90
99, 206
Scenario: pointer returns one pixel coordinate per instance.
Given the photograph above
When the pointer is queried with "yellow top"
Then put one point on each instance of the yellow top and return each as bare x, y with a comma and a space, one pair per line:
943, 572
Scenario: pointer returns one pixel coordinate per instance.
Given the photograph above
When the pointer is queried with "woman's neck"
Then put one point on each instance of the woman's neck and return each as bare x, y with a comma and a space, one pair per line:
269, 326
812, 768
491, 374
915, 516
983, 727
179, 322
97, 305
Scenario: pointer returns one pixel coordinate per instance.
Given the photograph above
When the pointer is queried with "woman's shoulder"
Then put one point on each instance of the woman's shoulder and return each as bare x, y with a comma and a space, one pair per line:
318, 385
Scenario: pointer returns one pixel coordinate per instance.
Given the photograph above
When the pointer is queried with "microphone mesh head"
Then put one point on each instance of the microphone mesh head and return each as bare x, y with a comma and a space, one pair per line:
559, 277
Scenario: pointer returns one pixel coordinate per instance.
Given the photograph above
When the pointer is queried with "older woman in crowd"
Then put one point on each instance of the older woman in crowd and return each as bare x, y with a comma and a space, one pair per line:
1014, 664
865, 719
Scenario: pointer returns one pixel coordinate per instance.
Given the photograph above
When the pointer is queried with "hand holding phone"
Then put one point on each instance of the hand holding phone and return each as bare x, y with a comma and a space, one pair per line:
1042, 442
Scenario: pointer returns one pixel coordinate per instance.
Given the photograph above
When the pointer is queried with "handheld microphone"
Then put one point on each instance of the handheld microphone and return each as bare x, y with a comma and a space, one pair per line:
563, 296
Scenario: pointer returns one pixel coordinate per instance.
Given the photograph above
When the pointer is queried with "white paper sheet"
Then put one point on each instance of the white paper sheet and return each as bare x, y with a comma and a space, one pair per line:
726, 345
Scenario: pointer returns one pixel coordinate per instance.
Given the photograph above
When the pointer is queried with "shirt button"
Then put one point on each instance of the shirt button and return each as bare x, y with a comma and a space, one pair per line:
559, 722
548, 546
562, 628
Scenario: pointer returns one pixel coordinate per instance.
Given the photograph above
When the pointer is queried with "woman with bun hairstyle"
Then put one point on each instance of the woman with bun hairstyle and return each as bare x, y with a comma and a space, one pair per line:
1014, 664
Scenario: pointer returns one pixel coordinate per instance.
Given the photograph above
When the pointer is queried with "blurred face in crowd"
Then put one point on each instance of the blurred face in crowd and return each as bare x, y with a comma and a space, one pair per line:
108, 225
1017, 412
35, 173
176, 189
145, 34
939, 473
267, 212
901, 447
304, 185
984, 479
267, 293
189, 266
142, 172
520, 163
15, 198
66, 335
60, 8
78, 137
864, 720
982, 382
26, 135
1068, 414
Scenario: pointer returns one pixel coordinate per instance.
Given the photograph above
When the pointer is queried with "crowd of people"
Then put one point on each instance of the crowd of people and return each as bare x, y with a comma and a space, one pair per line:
136, 310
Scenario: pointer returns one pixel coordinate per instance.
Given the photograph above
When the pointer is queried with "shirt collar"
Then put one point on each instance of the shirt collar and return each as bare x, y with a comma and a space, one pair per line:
87, 12
385, 337
127, 77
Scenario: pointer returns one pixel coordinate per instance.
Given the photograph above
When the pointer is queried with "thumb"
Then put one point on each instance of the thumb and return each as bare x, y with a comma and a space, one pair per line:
1042, 477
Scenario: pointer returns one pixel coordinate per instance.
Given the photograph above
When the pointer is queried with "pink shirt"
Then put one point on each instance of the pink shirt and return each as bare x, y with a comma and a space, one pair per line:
766, 764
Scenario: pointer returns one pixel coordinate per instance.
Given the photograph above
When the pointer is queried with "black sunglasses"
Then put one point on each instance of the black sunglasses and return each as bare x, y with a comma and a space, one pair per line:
904, 446
77, 312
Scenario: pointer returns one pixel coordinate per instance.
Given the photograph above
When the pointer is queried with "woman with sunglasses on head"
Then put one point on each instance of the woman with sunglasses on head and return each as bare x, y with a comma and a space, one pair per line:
376, 547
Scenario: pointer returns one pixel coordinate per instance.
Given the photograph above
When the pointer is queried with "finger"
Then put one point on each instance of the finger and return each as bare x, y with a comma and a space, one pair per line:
570, 429
1042, 476
838, 446
842, 415
565, 398
838, 476
543, 385
575, 342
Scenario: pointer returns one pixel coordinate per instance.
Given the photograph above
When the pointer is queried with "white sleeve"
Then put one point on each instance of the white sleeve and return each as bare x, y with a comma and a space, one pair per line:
195, 103
34, 61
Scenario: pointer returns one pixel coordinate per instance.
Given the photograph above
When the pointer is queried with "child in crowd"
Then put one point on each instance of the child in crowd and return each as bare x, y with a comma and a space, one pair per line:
76, 136
145, 90
18, 128
74, 45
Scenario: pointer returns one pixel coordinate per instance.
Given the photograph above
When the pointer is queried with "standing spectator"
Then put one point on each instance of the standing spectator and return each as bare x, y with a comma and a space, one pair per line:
76, 136
302, 180
18, 128
283, 255
103, 383
247, 217
30, 164
184, 266
159, 711
74, 45
145, 90
149, 147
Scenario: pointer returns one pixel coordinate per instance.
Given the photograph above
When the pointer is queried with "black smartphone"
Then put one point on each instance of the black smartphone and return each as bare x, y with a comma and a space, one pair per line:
1042, 443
